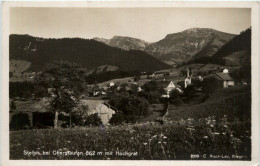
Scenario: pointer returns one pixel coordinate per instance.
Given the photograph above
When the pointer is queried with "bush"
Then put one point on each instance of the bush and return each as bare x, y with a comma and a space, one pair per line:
20, 121
132, 106
116, 119
93, 120
189, 92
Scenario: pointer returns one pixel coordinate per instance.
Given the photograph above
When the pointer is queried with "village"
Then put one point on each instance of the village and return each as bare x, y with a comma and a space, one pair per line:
97, 96
149, 110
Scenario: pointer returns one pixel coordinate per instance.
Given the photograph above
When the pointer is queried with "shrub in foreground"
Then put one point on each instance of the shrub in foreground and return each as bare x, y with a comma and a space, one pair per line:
93, 120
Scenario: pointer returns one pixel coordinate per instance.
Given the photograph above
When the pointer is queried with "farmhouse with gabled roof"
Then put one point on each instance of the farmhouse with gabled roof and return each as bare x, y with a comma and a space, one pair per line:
223, 79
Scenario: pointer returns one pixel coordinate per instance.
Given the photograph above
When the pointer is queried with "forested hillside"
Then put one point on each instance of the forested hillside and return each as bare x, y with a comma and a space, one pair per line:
88, 53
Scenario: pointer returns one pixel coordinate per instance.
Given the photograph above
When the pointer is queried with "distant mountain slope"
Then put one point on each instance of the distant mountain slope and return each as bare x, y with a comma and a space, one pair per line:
188, 44
103, 69
88, 53
101, 39
236, 52
239, 43
126, 43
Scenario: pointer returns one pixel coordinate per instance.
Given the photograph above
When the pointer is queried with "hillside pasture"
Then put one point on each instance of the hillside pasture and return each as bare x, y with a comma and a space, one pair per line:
232, 102
17, 66
237, 58
17, 70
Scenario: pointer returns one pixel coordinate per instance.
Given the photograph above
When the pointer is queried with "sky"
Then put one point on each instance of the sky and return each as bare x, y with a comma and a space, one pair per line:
149, 24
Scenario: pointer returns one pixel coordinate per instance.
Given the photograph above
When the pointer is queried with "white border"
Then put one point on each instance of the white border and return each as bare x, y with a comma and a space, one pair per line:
5, 80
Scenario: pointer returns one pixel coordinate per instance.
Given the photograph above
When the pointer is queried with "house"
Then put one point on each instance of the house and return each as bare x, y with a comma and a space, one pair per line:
168, 86
104, 110
222, 80
111, 84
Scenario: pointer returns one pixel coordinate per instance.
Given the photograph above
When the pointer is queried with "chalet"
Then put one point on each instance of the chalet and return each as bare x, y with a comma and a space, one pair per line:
222, 80
104, 110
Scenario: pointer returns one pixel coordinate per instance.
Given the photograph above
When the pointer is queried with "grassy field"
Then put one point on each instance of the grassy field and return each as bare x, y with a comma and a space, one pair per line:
136, 142
233, 102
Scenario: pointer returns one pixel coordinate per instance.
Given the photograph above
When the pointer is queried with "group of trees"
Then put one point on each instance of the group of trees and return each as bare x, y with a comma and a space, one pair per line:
105, 76
21, 89
152, 92
131, 107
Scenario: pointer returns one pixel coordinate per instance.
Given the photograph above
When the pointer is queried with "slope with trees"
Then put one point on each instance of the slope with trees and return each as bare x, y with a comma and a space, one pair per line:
88, 53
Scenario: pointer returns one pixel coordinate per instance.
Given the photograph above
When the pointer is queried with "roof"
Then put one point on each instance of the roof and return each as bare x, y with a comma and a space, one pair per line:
220, 76
92, 104
224, 76
40, 106
95, 104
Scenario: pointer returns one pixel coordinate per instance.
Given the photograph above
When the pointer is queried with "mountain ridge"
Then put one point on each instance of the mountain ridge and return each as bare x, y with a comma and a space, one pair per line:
124, 42
177, 47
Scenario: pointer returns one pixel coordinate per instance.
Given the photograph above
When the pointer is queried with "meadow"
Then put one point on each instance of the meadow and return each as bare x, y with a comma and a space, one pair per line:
205, 138
217, 129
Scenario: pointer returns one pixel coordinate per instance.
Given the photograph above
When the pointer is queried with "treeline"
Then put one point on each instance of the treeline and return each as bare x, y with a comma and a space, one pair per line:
206, 60
27, 90
105, 76
21, 89
87, 53
238, 43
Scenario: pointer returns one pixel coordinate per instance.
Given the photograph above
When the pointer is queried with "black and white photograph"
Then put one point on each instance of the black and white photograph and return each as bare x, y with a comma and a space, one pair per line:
130, 83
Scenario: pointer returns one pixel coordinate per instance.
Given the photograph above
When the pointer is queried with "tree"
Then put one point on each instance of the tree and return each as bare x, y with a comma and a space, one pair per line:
175, 98
137, 77
152, 92
116, 119
131, 106
65, 81
40, 91
189, 92
209, 85
151, 86
79, 115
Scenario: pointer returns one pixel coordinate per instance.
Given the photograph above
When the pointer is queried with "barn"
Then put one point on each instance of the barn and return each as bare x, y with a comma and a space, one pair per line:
222, 80
104, 110
36, 115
